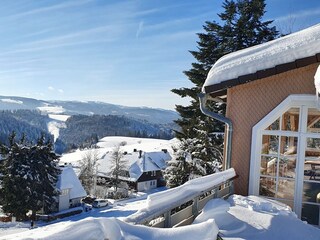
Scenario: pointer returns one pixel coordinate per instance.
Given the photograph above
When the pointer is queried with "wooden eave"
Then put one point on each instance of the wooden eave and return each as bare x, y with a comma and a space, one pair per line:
220, 89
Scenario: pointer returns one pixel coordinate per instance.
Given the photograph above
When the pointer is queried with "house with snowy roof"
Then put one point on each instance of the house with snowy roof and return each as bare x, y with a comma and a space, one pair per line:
144, 169
272, 119
71, 190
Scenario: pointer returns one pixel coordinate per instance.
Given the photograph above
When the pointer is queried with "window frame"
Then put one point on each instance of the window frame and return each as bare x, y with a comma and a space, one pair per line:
300, 101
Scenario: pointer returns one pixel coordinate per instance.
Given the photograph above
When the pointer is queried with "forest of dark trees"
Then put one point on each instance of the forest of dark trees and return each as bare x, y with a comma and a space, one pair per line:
81, 131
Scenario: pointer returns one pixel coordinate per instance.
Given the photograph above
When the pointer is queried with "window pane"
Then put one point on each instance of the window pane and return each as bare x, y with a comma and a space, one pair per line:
290, 120
268, 166
313, 147
287, 166
310, 192
312, 169
313, 124
288, 156
310, 213
270, 144
285, 189
275, 125
288, 146
267, 187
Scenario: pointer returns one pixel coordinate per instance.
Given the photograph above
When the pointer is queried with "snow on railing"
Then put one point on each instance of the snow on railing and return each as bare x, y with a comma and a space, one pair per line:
161, 204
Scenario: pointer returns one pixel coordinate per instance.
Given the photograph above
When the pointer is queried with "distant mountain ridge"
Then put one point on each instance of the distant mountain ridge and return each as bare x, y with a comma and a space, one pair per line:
72, 124
152, 115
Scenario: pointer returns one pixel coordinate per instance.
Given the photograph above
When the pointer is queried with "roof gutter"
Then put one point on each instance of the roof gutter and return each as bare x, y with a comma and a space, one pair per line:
203, 98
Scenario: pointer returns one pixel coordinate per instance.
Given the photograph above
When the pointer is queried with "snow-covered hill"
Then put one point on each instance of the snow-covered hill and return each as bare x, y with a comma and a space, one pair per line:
151, 115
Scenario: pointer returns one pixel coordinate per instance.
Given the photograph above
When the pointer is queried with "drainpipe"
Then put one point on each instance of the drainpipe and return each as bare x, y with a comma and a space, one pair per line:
203, 98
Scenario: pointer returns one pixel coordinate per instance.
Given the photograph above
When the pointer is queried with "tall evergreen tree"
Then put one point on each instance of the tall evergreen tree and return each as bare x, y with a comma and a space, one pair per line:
28, 177
13, 187
241, 27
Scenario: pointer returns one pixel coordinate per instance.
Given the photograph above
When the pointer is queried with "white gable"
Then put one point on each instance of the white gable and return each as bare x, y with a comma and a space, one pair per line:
69, 180
286, 49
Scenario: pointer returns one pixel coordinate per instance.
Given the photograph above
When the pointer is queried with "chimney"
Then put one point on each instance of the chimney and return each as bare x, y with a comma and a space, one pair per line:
164, 150
140, 153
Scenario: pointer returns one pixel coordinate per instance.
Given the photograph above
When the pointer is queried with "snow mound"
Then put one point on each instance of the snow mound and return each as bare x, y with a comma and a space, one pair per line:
260, 204
286, 49
256, 218
217, 209
115, 229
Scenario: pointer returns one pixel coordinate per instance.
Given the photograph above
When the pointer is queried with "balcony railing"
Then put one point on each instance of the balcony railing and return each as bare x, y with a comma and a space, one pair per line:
183, 212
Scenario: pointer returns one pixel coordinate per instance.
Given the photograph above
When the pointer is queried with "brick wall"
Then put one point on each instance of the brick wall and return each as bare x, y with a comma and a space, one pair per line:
248, 103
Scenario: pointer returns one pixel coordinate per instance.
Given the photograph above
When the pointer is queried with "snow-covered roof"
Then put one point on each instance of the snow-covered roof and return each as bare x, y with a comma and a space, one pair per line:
69, 180
153, 156
149, 161
252, 63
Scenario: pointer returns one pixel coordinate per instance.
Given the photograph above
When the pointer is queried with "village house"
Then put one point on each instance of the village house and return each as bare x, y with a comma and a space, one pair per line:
272, 119
71, 190
144, 169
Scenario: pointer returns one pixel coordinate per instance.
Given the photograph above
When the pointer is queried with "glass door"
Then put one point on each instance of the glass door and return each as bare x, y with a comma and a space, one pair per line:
279, 158
290, 162
310, 211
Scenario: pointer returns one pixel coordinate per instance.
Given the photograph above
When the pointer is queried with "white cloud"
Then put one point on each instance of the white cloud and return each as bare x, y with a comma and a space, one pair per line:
140, 28
60, 91
51, 88
51, 8
300, 14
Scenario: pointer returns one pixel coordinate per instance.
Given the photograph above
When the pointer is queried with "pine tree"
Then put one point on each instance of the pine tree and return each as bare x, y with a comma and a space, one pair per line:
29, 174
13, 187
177, 171
242, 27
185, 165
43, 172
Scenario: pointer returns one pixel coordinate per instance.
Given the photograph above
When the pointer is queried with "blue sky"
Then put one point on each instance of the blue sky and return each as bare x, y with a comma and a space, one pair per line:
123, 52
